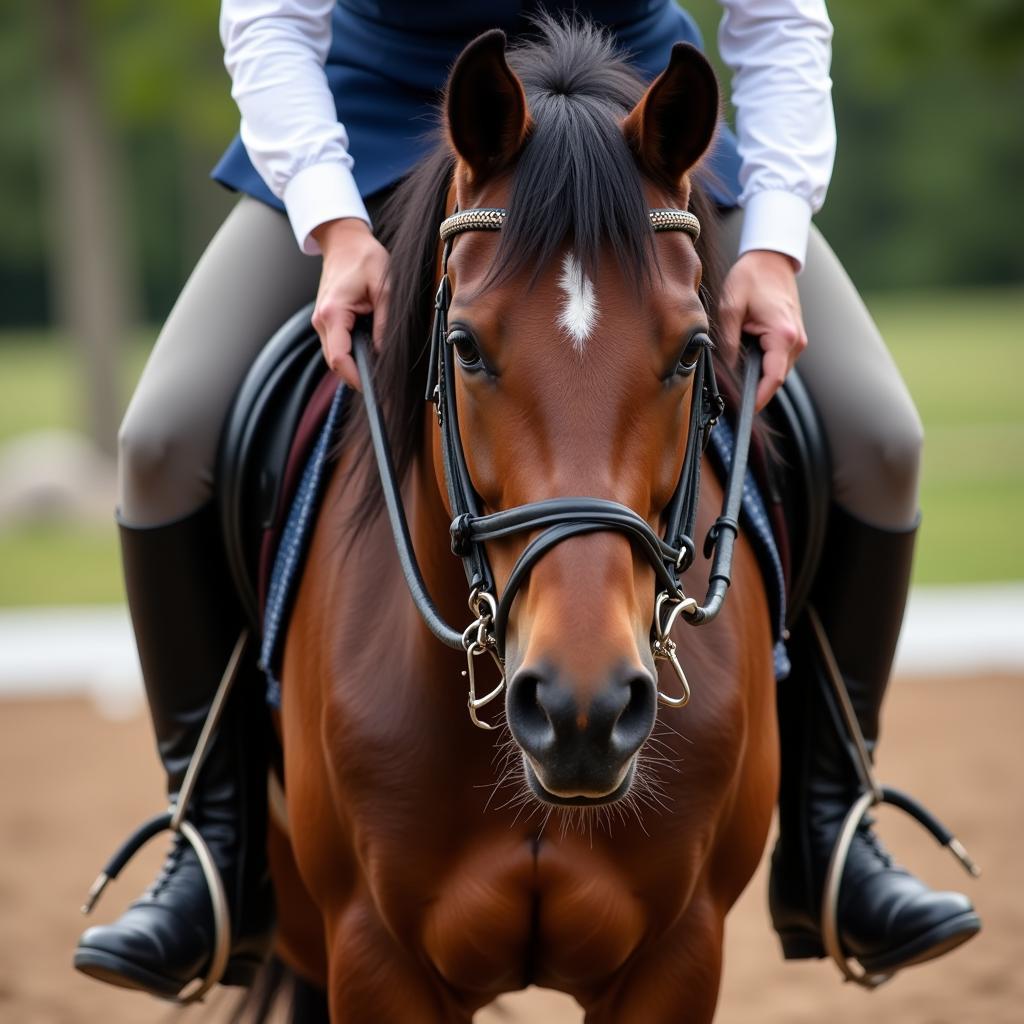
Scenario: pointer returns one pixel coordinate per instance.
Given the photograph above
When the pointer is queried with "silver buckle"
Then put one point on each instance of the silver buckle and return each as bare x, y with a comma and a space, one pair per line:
663, 647
476, 640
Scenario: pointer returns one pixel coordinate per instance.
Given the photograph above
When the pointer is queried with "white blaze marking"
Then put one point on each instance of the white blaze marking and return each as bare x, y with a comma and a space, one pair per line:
579, 313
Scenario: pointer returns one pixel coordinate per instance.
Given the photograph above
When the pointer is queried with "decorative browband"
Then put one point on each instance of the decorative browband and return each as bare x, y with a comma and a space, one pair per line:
675, 220
483, 219
491, 219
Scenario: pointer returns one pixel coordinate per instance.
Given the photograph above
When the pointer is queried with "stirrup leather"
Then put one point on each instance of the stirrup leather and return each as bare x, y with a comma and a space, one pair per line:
872, 795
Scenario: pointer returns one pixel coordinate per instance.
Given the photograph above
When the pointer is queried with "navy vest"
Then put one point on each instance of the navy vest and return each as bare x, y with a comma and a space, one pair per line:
389, 59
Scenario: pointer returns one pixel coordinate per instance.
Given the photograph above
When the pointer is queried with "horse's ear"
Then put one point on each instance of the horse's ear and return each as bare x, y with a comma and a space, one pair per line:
673, 124
485, 107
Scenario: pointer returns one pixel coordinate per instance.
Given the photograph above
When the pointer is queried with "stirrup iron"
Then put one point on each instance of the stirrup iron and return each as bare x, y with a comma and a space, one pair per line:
872, 796
173, 820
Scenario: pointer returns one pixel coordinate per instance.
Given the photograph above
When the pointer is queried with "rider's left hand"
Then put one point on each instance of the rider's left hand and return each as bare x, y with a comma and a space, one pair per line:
760, 297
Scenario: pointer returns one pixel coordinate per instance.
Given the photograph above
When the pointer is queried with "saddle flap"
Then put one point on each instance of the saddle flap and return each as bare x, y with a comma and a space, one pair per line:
268, 431
798, 483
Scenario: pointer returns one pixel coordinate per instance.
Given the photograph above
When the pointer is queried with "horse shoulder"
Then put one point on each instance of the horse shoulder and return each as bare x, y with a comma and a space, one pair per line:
746, 724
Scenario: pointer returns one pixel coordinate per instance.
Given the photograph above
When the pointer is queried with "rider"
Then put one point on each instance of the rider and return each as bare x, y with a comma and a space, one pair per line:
314, 77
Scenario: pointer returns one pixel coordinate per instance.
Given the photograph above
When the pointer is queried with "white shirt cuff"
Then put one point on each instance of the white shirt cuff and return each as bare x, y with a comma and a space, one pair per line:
317, 194
776, 220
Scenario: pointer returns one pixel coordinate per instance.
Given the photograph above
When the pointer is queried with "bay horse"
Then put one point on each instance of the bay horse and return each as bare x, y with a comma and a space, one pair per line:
592, 843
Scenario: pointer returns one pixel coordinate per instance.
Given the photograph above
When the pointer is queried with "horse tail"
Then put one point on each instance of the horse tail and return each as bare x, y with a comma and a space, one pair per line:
278, 990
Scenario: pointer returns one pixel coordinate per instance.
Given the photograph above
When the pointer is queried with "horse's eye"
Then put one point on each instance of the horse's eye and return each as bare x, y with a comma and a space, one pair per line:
466, 349
696, 344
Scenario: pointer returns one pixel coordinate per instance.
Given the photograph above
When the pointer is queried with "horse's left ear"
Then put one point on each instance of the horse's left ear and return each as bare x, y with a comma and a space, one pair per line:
485, 107
672, 126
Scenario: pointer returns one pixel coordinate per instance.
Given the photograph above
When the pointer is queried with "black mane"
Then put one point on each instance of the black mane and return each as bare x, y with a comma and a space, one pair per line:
575, 180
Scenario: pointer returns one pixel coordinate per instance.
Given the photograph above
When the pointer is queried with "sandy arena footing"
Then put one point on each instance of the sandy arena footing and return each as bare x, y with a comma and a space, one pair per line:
73, 782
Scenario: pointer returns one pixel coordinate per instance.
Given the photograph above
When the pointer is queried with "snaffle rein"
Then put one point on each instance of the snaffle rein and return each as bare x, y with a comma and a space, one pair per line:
558, 519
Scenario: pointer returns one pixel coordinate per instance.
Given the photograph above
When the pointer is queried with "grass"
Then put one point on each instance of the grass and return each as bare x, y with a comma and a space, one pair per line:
961, 354
54, 563
962, 358
59, 564
38, 378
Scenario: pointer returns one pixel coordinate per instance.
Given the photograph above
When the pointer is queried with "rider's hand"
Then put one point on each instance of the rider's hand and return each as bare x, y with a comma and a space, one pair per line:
353, 282
760, 296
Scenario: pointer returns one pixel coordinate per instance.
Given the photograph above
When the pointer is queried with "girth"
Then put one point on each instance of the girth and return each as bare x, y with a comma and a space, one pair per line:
558, 519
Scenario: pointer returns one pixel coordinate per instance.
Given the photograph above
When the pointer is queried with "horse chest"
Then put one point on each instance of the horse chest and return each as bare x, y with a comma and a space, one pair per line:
496, 906
509, 910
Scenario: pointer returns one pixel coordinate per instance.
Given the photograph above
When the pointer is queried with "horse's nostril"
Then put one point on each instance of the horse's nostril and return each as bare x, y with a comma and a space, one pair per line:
636, 720
544, 709
527, 715
580, 738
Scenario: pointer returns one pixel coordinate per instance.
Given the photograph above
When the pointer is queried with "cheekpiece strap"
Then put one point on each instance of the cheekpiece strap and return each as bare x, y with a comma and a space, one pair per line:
562, 518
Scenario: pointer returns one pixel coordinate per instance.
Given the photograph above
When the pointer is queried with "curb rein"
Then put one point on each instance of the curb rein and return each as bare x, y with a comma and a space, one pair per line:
558, 519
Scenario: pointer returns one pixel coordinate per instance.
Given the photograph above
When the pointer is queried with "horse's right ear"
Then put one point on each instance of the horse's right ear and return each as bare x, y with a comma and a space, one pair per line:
485, 107
674, 122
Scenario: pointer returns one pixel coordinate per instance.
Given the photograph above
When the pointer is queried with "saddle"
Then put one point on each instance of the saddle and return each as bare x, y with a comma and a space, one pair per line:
796, 480
274, 446
271, 427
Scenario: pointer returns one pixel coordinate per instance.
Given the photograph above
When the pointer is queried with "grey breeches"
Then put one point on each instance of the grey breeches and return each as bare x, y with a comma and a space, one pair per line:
873, 429
252, 277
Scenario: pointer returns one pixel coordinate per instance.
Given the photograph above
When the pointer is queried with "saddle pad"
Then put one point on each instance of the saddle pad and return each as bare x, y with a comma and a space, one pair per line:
292, 545
298, 528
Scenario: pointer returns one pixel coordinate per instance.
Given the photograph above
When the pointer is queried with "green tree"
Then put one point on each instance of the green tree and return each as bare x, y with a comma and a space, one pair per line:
931, 140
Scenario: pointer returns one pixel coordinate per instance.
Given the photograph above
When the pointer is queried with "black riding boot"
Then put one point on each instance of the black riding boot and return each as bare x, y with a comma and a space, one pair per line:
887, 918
186, 622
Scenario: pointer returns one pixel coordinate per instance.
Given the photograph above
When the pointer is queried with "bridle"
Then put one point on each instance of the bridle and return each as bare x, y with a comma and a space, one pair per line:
558, 519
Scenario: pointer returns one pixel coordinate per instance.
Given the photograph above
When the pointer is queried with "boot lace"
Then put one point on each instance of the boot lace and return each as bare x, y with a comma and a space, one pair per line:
866, 835
179, 847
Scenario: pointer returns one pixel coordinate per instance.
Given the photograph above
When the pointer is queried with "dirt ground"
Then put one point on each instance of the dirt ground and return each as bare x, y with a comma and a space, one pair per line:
72, 783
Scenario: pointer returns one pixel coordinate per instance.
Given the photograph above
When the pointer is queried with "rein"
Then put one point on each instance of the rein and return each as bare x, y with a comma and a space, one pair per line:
558, 519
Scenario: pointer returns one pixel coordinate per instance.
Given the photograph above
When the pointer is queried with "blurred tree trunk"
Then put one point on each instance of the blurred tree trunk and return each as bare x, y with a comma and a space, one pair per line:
88, 258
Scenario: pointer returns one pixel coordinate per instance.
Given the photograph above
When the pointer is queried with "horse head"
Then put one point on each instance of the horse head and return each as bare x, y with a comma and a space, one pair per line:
575, 331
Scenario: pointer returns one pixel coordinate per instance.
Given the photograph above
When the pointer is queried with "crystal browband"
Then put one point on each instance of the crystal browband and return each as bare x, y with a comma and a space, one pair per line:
492, 218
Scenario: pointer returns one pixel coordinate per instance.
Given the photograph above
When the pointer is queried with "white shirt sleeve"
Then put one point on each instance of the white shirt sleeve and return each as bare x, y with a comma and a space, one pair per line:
780, 52
274, 51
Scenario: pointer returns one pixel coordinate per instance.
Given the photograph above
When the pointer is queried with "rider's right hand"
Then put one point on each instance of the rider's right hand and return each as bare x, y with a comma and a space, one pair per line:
353, 282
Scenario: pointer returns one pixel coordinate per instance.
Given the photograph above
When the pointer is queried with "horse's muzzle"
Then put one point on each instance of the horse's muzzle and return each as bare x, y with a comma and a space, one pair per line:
580, 742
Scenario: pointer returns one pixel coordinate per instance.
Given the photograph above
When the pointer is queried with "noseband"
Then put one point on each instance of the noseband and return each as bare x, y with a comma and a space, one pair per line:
558, 519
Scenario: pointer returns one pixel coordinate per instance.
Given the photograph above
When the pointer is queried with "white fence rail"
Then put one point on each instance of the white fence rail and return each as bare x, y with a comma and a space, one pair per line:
63, 652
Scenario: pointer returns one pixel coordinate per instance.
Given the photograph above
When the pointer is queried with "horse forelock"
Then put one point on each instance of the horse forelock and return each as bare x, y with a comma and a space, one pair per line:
576, 182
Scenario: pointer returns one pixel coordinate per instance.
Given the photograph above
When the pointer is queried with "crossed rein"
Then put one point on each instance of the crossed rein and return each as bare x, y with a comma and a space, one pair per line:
558, 519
